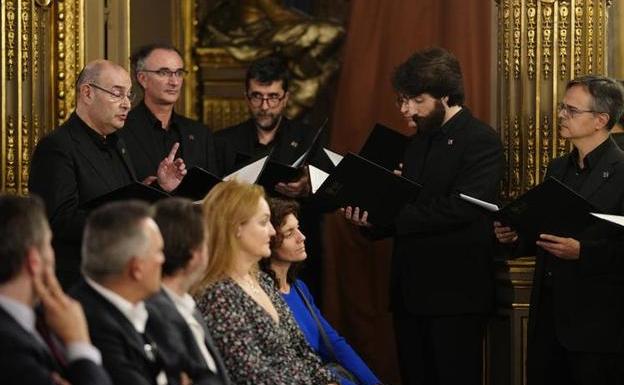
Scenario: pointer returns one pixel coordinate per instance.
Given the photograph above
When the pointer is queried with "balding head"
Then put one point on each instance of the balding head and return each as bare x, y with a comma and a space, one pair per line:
104, 96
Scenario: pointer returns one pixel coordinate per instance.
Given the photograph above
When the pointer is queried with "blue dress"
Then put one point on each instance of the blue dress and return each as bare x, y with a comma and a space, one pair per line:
346, 356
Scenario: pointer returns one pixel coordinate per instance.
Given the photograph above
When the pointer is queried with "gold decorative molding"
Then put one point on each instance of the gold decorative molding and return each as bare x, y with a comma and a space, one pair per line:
68, 56
42, 52
543, 44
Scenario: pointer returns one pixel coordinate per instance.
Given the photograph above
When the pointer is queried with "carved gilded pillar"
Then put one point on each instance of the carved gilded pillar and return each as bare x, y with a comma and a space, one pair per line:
41, 52
542, 44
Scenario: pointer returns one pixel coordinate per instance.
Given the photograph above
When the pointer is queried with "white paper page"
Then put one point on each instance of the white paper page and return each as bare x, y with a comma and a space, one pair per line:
249, 173
317, 177
486, 205
617, 219
334, 157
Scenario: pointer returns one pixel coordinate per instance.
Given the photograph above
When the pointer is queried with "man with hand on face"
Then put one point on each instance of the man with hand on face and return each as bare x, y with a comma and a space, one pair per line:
53, 346
85, 158
153, 126
441, 272
576, 317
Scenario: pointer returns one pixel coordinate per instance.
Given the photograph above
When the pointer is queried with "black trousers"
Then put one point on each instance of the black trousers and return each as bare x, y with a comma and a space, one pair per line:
440, 350
550, 363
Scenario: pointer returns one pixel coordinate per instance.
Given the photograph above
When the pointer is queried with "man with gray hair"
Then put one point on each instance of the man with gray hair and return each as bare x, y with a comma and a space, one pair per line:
576, 318
84, 158
122, 261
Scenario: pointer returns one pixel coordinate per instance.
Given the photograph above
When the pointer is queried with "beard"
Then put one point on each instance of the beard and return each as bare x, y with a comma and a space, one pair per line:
270, 120
431, 121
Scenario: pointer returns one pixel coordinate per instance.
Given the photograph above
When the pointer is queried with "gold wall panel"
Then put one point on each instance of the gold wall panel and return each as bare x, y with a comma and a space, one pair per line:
542, 44
41, 48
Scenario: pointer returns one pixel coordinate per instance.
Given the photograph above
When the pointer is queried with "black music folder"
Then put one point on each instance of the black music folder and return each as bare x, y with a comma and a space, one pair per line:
132, 191
275, 172
550, 207
359, 182
196, 184
385, 147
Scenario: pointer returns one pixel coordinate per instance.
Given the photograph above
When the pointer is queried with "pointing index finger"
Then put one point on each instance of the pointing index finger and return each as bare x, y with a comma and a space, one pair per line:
173, 151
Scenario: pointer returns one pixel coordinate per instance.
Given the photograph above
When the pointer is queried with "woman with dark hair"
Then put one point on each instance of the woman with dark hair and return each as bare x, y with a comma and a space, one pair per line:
287, 254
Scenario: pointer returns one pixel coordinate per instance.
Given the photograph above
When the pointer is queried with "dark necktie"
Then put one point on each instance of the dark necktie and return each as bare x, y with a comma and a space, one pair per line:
51, 342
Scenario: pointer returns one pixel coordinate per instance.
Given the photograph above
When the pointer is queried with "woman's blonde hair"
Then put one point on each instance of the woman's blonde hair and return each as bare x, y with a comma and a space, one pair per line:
227, 206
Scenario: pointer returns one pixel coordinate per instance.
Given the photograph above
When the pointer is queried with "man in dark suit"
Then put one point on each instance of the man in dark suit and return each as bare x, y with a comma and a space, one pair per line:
186, 257
122, 260
58, 349
153, 126
441, 274
84, 158
576, 319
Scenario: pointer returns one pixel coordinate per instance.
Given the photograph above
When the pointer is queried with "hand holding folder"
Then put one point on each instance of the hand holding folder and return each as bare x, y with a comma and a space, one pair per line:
549, 208
361, 183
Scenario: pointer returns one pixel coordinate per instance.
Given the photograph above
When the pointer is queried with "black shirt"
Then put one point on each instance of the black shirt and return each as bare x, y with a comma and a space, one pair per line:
108, 150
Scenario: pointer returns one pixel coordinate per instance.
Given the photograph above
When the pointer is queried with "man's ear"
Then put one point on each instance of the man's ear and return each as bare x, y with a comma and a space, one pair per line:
86, 93
135, 268
33, 262
141, 78
603, 120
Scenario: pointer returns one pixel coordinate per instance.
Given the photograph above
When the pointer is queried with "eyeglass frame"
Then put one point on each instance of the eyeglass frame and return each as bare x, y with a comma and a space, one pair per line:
167, 73
572, 112
116, 97
255, 96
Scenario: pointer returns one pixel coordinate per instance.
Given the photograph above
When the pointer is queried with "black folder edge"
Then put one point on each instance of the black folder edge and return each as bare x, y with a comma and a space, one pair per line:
323, 201
581, 209
368, 144
196, 184
134, 190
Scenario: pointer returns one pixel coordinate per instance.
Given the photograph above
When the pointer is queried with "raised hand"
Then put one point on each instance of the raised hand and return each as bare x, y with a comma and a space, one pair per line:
171, 171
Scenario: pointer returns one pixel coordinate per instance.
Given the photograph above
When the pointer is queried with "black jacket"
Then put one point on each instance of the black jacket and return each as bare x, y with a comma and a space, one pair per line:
179, 338
443, 247
68, 170
25, 360
588, 294
196, 147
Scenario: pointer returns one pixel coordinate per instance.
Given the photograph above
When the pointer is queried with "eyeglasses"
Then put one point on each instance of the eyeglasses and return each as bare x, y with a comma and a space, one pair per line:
167, 73
273, 100
116, 95
572, 112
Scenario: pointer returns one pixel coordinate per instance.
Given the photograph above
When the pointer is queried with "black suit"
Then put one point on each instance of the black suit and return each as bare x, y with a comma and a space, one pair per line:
25, 360
441, 276
181, 339
578, 306
68, 169
122, 347
141, 136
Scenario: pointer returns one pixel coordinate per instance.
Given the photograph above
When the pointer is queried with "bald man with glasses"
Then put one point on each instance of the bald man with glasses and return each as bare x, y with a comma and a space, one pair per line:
85, 158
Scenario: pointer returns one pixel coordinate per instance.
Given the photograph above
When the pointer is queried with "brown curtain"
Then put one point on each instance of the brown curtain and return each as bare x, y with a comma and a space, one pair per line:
382, 34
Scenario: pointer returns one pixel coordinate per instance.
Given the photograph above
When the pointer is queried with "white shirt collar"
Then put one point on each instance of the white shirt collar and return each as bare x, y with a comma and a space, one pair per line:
23, 314
184, 302
136, 314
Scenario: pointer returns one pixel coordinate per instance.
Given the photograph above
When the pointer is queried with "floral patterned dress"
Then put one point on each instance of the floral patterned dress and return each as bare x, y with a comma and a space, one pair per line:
257, 350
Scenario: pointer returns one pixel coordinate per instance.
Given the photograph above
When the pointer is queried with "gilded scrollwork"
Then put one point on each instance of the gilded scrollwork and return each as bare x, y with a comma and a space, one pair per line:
517, 37
530, 164
545, 131
11, 30
578, 37
10, 156
547, 39
531, 37
507, 38
26, 34
25, 154
564, 15
516, 185
589, 53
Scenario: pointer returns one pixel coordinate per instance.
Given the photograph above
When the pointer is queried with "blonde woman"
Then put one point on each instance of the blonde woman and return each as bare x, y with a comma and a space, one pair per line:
249, 321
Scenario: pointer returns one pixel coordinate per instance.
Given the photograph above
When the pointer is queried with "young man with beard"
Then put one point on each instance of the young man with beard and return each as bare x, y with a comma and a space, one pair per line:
441, 276
266, 91
153, 126
576, 318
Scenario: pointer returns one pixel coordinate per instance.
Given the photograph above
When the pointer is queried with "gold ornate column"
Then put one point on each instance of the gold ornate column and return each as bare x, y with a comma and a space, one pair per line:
542, 44
41, 50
